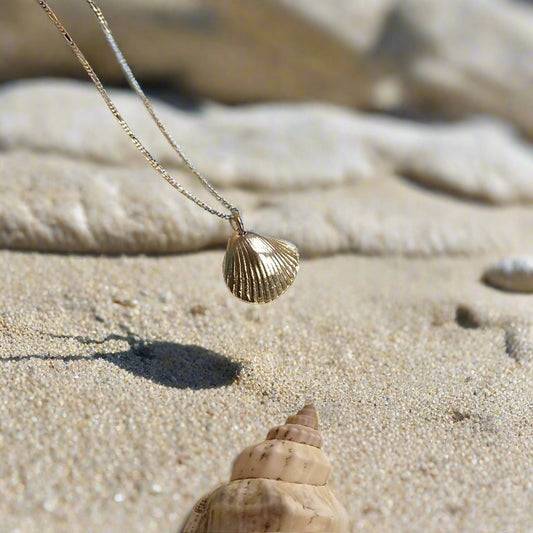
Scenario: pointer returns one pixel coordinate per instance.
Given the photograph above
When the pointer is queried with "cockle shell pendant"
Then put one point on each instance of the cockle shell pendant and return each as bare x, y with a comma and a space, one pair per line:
259, 269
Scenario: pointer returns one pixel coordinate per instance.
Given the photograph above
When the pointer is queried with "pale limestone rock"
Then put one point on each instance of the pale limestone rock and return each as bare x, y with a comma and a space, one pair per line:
324, 178
388, 216
216, 49
50, 203
273, 147
514, 274
262, 147
482, 161
470, 55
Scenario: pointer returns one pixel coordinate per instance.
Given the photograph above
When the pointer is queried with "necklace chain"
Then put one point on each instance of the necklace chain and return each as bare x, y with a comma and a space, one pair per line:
234, 212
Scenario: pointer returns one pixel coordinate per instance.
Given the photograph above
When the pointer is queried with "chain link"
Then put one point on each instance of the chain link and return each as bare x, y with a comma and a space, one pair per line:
234, 212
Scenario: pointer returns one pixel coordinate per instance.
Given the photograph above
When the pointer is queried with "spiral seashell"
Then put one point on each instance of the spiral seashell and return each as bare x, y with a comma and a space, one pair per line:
278, 485
259, 269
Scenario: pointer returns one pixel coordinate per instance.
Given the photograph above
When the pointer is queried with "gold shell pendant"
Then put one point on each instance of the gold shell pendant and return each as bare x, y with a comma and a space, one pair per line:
259, 269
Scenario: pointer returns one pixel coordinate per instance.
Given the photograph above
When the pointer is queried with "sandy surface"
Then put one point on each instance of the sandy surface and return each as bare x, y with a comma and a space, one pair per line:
128, 386
465, 57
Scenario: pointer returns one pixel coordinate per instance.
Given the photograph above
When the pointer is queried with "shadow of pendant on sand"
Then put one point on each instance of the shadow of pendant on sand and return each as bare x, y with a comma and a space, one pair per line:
181, 366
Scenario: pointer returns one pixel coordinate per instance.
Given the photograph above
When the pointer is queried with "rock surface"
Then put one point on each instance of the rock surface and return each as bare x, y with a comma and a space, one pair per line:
455, 57
326, 179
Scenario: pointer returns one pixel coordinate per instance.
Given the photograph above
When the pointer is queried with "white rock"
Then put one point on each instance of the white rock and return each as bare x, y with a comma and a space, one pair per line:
273, 146
481, 160
55, 204
460, 57
513, 274
324, 178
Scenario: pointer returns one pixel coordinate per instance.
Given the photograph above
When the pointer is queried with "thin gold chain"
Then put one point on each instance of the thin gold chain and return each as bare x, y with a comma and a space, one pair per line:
234, 212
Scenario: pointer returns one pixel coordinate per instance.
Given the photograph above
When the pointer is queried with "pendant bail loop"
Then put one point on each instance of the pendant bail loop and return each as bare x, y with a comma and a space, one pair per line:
236, 221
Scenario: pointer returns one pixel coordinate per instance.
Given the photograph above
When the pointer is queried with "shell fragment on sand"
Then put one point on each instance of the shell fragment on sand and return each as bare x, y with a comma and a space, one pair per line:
514, 274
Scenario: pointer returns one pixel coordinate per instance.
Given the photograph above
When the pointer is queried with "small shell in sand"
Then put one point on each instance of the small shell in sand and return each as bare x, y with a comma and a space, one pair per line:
279, 485
513, 274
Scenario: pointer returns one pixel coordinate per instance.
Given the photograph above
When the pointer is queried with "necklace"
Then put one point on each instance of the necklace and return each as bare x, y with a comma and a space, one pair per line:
256, 268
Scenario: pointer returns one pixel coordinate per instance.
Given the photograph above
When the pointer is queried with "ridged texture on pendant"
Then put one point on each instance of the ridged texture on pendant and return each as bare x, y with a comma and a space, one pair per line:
259, 269
278, 485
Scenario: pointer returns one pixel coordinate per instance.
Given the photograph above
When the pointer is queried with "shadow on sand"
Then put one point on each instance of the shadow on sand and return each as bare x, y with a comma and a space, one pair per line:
182, 366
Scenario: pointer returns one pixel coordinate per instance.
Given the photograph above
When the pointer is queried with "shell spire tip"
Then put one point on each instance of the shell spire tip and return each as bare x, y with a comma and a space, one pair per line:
306, 416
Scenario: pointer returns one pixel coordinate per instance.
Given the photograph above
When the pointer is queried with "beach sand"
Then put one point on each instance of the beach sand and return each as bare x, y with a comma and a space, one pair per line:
129, 384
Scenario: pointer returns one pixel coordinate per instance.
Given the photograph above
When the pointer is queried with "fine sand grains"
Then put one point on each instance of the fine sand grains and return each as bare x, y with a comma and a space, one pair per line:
129, 385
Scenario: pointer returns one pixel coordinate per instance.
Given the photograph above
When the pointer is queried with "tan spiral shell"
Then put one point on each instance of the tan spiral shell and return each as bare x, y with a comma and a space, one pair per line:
259, 269
278, 485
